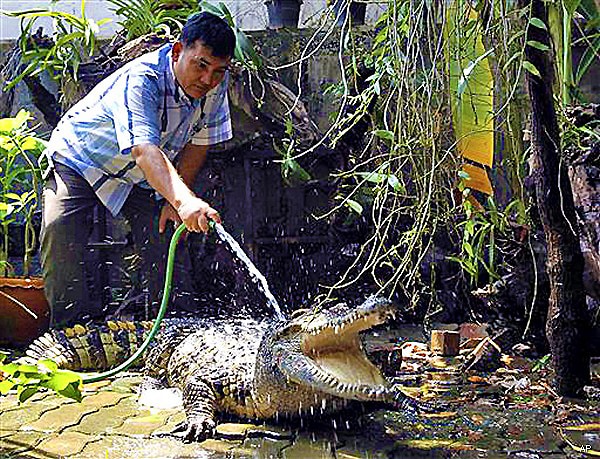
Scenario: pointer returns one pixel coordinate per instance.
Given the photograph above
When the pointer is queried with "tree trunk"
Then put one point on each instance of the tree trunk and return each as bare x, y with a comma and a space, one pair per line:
567, 324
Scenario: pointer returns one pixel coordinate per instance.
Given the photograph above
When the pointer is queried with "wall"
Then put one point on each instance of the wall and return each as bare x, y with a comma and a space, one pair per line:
249, 14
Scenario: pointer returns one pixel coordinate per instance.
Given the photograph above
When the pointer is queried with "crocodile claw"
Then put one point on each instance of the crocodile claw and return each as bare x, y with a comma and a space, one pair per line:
195, 429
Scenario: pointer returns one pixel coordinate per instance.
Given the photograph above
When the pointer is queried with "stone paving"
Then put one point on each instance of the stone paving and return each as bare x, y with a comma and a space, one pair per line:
110, 424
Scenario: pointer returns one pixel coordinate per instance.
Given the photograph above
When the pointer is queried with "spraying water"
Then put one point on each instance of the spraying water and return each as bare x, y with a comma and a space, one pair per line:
255, 274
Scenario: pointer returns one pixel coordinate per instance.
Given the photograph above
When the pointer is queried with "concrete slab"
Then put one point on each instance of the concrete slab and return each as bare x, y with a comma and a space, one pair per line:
107, 419
65, 444
144, 423
21, 415
103, 399
57, 420
18, 443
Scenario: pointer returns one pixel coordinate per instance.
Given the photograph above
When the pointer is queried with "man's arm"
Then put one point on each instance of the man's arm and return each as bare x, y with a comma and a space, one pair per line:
164, 178
190, 161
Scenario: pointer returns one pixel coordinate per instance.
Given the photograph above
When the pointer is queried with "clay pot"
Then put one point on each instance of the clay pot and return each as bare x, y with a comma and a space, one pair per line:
24, 311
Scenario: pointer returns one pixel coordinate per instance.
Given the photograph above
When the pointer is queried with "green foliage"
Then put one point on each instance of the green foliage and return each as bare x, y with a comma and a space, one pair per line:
244, 50
481, 230
404, 177
541, 363
291, 172
395, 88
561, 19
141, 17
19, 182
74, 41
30, 379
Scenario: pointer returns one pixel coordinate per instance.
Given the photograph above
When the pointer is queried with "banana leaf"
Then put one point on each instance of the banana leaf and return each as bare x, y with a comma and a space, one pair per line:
471, 91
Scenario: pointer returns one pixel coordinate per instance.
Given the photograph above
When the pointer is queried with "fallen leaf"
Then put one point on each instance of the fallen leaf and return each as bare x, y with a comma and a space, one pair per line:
514, 431
516, 363
475, 436
583, 427
477, 379
414, 350
433, 443
477, 418
440, 415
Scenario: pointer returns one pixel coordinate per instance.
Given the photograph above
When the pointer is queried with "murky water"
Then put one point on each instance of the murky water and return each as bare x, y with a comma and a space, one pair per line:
254, 273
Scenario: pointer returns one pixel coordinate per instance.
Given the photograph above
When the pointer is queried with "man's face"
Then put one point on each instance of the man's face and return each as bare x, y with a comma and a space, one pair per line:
196, 69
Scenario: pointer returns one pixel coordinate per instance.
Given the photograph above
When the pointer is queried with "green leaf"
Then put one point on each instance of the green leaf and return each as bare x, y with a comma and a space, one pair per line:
541, 363
383, 134
589, 9
6, 386
571, 6
538, 45
72, 391
354, 206
590, 55
30, 143
10, 368
8, 124
26, 392
293, 170
61, 379
469, 249
531, 68
372, 177
470, 227
13, 196
50, 365
537, 22
466, 73
395, 184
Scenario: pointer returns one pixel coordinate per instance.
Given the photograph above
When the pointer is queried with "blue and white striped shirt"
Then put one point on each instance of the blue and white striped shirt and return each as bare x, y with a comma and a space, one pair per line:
139, 103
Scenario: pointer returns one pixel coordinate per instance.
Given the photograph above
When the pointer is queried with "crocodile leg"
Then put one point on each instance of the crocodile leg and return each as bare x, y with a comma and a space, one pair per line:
199, 403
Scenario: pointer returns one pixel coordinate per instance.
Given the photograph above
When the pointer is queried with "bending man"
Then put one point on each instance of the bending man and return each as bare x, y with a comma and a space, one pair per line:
143, 130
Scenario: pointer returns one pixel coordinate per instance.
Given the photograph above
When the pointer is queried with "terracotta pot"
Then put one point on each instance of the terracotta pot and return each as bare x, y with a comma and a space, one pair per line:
24, 311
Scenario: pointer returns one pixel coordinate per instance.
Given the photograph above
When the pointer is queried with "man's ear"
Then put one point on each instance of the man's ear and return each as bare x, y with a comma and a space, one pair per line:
176, 51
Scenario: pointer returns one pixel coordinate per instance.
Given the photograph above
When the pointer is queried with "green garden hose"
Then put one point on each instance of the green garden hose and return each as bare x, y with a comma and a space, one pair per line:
161, 314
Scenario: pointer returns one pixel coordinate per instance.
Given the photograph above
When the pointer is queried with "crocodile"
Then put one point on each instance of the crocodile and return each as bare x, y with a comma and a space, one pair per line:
310, 364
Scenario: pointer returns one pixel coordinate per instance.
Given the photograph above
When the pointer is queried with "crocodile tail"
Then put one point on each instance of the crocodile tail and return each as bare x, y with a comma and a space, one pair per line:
94, 347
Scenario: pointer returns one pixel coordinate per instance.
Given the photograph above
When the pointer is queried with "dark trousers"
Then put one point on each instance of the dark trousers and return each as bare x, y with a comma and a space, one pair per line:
68, 205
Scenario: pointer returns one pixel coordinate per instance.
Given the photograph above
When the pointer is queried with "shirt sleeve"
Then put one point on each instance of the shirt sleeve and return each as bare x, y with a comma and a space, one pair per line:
136, 120
216, 126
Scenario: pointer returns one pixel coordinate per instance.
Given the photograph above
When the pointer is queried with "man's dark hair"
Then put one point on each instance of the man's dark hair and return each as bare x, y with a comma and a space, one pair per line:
212, 31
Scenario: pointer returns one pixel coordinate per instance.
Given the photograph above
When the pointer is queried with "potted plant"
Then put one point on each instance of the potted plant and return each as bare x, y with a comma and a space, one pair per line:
283, 13
357, 9
23, 307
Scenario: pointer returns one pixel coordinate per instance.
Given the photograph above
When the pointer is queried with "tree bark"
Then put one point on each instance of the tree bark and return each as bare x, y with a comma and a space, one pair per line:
567, 325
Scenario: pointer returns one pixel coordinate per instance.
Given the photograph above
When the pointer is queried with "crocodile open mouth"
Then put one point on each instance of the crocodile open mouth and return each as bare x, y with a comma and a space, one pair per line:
332, 356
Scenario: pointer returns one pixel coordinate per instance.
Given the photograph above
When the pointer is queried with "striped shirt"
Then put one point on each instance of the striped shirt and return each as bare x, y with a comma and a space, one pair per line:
140, 103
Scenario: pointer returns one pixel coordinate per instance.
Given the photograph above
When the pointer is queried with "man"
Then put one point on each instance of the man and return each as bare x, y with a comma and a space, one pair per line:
118, 147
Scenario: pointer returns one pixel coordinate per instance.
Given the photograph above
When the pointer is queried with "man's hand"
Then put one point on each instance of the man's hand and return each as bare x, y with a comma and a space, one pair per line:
168, 214
195, 213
